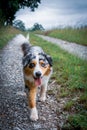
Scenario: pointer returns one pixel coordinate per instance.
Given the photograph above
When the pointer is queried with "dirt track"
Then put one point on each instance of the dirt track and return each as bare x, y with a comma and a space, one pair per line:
76, 49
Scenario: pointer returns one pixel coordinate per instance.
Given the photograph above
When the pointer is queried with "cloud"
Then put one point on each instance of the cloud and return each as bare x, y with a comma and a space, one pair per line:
54, 13
43, 17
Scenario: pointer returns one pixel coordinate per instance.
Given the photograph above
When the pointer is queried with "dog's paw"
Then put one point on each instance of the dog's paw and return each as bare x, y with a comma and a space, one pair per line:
42, 98
34, 114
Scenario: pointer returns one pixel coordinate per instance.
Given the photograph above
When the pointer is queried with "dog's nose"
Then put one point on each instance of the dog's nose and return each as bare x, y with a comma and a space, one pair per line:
38, 74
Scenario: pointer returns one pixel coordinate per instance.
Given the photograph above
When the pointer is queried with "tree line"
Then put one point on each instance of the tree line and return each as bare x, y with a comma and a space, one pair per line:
20, 25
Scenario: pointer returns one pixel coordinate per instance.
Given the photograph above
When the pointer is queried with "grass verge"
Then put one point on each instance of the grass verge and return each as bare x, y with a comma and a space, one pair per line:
6, 34
71, 73
69, 34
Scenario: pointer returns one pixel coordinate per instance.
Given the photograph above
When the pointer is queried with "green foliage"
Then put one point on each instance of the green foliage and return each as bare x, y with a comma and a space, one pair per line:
8, 8
19, 24
63, 92
83, 99
68, 105
36, 27
78, 121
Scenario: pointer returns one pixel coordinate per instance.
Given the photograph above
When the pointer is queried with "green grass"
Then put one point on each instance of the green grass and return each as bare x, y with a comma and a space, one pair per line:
71, 73
76, 122
72, 35
6, 34
68, 106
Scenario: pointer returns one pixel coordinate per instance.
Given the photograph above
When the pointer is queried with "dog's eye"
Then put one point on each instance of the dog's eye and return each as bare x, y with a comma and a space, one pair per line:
43, 64
31, 65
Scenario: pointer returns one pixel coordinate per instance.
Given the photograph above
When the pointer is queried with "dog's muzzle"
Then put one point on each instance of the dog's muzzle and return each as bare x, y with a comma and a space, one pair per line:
38, 78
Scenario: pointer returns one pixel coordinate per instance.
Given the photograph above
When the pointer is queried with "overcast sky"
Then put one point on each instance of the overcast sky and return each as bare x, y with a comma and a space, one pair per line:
52, 13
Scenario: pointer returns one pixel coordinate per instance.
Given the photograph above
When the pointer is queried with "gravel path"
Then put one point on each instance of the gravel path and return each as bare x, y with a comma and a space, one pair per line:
79, 50
14, 111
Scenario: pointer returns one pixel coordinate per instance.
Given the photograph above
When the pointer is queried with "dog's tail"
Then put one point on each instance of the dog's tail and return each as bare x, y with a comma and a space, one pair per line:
27, 37
26, 45
25, 48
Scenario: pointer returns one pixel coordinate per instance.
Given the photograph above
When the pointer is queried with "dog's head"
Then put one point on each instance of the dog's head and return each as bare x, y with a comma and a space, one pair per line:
36, 63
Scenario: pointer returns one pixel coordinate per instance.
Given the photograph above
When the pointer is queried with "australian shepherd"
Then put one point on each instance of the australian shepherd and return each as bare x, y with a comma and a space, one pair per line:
37, 69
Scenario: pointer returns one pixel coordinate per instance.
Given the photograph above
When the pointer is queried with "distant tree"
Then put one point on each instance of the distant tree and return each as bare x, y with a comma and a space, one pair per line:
8, 8
37, 26
19, 24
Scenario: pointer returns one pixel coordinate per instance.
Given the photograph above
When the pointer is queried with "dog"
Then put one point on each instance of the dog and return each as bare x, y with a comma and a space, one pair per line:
37, 70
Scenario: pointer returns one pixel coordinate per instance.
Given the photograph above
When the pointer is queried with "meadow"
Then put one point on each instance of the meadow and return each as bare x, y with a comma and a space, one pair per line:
70, 72
78, 35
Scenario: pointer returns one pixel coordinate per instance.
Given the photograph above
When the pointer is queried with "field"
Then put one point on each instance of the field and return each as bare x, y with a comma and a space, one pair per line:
69, 34
69, 72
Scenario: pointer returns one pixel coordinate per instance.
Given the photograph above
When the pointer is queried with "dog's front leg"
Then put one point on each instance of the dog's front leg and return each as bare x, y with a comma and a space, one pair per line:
32, 104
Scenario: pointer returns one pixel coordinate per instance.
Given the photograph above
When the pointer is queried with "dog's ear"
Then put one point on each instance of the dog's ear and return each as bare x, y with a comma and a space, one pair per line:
25, 48
49, 59
26, 60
